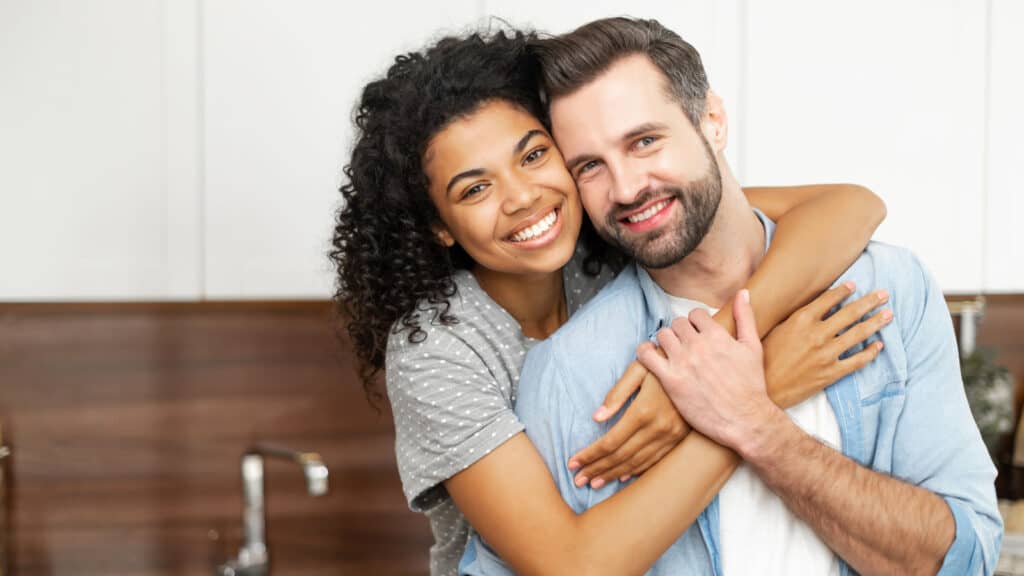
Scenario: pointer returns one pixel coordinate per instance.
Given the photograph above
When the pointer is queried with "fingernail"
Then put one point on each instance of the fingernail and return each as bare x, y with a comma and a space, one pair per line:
745, 294
601, 413
581, 481
574, 465
886, 315
623, 478
879, 345
597, 483
850, 285
883, 295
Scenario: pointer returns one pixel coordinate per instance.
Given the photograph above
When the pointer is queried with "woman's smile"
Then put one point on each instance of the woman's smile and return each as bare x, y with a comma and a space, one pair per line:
502, 191
538, 231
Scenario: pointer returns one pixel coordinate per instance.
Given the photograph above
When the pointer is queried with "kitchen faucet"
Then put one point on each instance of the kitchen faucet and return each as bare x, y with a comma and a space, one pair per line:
252, 557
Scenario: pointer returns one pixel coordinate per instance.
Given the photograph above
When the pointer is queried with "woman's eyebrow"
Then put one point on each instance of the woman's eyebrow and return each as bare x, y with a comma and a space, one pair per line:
461, 176
521, 145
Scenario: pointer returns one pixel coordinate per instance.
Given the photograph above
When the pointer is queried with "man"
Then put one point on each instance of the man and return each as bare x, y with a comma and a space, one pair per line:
883, 473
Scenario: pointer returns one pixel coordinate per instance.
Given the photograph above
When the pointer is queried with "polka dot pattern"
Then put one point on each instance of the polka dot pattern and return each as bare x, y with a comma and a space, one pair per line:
452, 396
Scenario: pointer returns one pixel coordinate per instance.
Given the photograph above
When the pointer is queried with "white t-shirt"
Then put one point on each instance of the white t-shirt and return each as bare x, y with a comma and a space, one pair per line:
758, 533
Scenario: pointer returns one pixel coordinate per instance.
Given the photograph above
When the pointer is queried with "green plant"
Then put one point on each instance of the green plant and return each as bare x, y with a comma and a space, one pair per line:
989, 389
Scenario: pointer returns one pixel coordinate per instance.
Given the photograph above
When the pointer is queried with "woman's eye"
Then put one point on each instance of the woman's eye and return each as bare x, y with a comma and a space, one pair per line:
473, 190
535, 155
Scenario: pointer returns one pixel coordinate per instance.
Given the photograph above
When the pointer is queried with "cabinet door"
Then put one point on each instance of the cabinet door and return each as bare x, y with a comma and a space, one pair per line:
281, 81
98, 185
886, 94
1004, 240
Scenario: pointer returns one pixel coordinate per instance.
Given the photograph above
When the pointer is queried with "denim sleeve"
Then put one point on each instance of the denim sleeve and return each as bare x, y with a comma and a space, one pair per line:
937, 443
549, 414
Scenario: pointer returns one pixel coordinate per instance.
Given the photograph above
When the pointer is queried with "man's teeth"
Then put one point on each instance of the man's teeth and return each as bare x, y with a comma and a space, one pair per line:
647, 213
537, 229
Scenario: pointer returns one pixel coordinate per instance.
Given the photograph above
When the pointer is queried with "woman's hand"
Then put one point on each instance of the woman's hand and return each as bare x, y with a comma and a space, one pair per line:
801, 355
648, 429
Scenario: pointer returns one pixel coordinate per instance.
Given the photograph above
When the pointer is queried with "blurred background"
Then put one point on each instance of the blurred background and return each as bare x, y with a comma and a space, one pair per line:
168, 177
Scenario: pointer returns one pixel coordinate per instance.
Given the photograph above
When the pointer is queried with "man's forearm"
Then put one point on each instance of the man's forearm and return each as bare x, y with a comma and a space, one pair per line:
876, 523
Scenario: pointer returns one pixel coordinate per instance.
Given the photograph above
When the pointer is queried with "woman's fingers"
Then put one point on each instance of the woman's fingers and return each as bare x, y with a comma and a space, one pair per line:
855, 310
639, 463
861, 331
598, 473
606, 445
621, 391
857, 361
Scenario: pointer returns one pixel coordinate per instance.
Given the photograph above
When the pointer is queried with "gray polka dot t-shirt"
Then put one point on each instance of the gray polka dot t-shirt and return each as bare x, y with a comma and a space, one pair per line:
452, 397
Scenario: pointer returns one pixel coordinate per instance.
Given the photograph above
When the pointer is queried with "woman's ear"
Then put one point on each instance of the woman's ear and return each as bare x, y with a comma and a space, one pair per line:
443, 235
715, 123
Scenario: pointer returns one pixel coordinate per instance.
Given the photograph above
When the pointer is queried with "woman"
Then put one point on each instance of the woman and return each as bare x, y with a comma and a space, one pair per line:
448, 276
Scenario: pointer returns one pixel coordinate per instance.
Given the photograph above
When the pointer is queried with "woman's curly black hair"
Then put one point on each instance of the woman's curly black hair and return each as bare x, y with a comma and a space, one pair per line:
392, 271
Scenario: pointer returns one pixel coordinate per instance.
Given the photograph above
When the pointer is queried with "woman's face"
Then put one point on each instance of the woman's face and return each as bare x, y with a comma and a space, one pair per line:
503, 192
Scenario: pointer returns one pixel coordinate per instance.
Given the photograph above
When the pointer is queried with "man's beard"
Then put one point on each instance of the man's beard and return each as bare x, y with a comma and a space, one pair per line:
698, 204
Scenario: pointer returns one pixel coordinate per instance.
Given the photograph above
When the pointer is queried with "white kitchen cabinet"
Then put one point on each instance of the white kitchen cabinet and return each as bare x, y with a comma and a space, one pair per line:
891, 95
98, 177
281, 81
1004, 234
157, 149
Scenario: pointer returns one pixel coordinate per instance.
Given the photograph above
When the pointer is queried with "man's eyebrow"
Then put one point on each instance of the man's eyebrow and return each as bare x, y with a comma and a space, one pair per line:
575, 161
643, 129
462, 176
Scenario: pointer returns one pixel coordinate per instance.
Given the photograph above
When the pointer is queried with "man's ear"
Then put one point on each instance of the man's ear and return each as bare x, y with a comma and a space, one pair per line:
443, 235
715, 124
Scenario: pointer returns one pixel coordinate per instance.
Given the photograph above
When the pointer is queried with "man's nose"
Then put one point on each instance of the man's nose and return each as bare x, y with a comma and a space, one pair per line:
628, 181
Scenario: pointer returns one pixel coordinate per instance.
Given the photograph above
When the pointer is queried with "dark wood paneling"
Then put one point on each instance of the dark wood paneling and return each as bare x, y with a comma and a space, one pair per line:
128, 421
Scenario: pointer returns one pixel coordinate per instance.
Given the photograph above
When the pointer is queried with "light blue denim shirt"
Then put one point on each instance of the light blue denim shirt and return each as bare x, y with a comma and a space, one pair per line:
904, 415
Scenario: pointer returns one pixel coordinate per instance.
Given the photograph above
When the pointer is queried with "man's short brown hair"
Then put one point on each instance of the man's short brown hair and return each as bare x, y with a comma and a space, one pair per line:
570, 61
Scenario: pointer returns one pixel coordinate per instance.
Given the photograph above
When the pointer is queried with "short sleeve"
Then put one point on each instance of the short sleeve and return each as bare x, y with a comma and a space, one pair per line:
449, 411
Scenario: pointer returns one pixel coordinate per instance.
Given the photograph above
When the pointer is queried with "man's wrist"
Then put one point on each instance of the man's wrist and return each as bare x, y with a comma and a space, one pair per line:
765, 438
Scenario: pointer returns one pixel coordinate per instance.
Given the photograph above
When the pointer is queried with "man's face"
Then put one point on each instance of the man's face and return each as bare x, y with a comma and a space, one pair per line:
647, 177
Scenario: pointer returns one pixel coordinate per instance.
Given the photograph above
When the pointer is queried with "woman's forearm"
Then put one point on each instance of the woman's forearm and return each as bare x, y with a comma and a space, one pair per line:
624, 534
511, 500
816, 238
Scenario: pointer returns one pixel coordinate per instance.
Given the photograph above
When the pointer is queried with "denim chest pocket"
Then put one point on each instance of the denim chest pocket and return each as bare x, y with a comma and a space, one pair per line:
882, 386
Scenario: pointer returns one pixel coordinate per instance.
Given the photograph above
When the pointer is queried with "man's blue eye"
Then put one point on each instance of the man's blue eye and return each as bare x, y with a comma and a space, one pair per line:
645, 141
588, 166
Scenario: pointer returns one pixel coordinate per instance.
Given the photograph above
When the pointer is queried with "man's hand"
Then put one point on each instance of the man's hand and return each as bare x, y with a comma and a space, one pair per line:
716, 382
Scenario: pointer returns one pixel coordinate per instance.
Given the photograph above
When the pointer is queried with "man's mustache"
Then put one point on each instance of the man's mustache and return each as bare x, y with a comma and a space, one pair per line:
619, 212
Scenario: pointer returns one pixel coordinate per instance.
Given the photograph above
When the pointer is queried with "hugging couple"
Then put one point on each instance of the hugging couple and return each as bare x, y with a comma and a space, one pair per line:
604, 355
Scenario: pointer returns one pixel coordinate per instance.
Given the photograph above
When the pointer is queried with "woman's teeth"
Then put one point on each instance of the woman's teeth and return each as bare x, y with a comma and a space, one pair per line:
648, 213
537, 229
